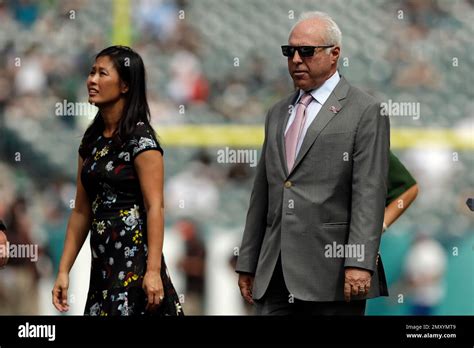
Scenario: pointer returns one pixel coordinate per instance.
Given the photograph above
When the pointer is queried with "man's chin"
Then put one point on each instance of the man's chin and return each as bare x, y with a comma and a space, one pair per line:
302, 84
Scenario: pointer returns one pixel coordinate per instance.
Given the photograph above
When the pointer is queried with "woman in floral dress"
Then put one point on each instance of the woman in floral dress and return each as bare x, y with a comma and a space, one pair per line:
119, 198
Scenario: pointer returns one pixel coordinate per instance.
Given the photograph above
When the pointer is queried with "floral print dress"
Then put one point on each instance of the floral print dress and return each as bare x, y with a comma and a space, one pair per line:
118, 231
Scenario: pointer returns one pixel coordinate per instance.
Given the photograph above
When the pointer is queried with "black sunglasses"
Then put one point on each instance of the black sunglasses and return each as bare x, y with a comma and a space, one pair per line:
303, 51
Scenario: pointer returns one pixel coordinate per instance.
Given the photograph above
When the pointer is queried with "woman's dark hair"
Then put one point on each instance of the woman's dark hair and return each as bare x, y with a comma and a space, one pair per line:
131, 71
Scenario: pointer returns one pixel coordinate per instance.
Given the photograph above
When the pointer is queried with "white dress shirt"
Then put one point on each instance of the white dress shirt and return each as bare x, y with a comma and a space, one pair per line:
320, 96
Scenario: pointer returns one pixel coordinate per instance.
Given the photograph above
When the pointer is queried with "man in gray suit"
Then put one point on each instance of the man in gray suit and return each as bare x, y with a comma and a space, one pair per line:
314, 223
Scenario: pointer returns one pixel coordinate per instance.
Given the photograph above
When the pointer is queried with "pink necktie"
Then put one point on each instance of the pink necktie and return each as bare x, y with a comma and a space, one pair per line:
293, 134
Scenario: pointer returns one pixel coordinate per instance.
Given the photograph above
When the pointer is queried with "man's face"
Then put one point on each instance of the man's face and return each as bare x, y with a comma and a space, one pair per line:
311, 72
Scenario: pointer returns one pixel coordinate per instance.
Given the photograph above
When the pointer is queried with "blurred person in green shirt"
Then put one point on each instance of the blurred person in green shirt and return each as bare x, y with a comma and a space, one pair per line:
402, 191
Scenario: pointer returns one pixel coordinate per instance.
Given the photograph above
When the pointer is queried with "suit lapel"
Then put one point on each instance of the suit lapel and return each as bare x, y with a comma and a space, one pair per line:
284, 114
327, 112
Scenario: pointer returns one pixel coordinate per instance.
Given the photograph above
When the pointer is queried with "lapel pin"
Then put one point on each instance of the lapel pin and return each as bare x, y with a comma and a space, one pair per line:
333, 109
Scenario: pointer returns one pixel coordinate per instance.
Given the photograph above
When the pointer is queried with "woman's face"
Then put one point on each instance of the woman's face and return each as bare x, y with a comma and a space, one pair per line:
104, 84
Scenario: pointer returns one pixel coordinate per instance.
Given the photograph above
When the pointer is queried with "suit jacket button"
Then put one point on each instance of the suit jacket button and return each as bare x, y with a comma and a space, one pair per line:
288, 184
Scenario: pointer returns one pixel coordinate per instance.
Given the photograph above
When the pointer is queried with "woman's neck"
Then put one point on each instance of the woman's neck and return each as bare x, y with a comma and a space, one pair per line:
111, 115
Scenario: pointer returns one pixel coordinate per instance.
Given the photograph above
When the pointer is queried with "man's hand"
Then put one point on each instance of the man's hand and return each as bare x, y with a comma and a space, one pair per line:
357, 282
245, 285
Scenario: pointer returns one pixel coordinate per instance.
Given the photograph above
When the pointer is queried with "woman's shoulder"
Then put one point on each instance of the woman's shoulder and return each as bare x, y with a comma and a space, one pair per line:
143, 129
143, 138
88, 142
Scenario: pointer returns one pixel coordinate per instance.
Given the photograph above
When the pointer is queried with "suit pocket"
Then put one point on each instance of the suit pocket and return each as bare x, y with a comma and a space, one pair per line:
335, 232
335, 224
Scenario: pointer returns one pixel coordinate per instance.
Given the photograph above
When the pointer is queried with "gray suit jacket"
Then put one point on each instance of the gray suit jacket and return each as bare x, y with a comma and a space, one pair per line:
335, 193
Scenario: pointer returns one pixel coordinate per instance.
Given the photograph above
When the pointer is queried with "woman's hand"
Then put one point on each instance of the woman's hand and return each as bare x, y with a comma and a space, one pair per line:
154, 291
60, 292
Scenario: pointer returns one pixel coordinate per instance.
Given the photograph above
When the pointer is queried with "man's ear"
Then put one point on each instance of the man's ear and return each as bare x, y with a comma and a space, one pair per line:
335, 53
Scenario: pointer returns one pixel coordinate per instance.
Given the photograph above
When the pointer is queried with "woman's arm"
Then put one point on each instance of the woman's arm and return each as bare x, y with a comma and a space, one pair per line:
398, 206
77, 230
149, 167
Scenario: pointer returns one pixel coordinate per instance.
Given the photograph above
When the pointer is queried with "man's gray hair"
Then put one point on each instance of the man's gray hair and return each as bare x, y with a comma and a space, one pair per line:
332, 36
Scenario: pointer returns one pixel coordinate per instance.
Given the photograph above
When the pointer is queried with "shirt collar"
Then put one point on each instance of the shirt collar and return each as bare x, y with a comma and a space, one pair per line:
324, 91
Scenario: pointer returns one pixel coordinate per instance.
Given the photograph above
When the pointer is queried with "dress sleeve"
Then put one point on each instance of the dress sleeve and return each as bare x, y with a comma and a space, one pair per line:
143, 139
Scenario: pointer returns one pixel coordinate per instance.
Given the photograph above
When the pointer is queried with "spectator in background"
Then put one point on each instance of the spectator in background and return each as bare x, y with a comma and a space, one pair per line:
193, 266
157, 19
239, 173
256, 74
26, 12
21, 291
425, 266
31, 78
188, 84
402, 191
194, 191
55, 224
3, 244
413, 66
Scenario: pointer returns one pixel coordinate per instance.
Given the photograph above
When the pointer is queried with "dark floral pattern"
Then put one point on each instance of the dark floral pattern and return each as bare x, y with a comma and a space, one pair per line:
118, 237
